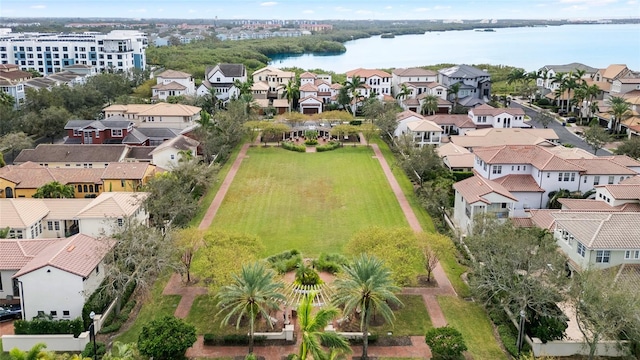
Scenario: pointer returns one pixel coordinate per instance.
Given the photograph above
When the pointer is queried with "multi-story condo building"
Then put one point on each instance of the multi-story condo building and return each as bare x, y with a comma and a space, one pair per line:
119, 50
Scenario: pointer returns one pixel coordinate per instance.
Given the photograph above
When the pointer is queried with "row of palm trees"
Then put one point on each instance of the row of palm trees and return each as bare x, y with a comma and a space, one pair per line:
365, 288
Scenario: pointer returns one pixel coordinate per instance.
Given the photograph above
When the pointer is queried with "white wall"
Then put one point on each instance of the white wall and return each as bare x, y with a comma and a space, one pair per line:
570, 348
166, 158
529, 200
7, 283
402, 125
50, 288
54, 342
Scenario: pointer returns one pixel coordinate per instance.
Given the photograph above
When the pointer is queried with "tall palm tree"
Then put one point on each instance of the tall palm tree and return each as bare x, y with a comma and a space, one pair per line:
570, 83
122, 351
353, 89
592, 93
244, 87
429, 105
579, 97
311, 328
558, 78
404, 92
516, 76
620, 111
454, 89
254, 291
55, 190
366, 286
291, 92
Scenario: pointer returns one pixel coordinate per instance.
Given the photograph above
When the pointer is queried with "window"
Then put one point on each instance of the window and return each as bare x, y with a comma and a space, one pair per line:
50, 225
596, 180
79, 188
581, 249
98, 269
122, 183
627, 254
610, 179
54, 313
116, 132
65, 313
56, 225
0, 283
120, 222
602, 256
85, 188
632, 254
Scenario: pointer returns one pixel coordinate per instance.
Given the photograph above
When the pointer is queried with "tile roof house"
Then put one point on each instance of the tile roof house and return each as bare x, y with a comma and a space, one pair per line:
73, 155
275, 80
487, 115
60, 277
12, 81
477, 195
455, 157
419, 81
173, 83
598, 239
422, 131
168, 154
220, 80
160, 115
512, 136
547, 85
376, 81
29, 218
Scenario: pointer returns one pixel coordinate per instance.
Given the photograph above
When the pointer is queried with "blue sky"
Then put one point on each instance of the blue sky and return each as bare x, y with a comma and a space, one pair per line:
324, 9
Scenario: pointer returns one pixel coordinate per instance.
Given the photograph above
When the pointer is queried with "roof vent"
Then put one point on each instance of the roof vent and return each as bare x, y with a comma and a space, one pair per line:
70, 248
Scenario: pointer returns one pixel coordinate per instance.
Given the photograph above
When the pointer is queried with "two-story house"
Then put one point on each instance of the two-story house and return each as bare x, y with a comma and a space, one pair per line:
12, 81
475, 84
487, 116
168, 154
73, 155
274, 79
107, 131
161, 115
374, 81
473, 139
173, 83
422, 131
547, 84
220, 80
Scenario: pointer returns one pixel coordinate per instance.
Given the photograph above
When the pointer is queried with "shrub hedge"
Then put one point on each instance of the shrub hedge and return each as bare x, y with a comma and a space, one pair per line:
331, 263
311, 142
331, 145
285, 261
101, 349
41, 327
288, 145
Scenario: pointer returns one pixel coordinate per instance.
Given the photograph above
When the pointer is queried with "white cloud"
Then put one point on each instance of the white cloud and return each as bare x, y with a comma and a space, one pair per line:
438, 7
138, 10
308, 12
160, 10
364, 12
269, 3
191, 11
342, 9
582, 3
632, 2
39, 7
422, 9
388, 7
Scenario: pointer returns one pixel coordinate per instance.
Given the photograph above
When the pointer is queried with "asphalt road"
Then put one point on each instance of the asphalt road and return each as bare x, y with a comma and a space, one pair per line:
565, 136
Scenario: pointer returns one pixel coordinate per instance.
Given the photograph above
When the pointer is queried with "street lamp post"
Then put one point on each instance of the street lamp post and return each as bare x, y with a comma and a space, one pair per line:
92, 334
521, 331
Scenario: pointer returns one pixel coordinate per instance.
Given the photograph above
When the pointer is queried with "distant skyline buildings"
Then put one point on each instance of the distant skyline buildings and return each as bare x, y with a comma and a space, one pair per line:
323, 10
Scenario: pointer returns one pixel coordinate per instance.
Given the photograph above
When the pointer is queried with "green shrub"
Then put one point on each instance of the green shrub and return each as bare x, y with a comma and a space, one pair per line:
355, 122
311, 134
461, 175
166, 338
331, 145
101, 349
288, 145
44, 326
373, 338
251, 357
231, 340
306, 275
331, 263
311, 142
285, 261
119, 320
445, 342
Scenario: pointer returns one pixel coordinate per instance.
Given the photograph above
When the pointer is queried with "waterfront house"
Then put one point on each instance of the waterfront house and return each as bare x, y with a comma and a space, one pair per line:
274, 79
220, 80
475, 84
375, 81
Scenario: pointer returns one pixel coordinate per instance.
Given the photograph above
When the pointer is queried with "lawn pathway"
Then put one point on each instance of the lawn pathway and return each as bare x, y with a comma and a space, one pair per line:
418, 348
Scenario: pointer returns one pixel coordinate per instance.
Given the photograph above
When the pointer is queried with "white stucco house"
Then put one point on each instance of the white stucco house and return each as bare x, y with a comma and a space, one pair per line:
220, 80
173, 83
475, 84
108, 212
60, 277
422, 131
374, 81
487, 115
168, 154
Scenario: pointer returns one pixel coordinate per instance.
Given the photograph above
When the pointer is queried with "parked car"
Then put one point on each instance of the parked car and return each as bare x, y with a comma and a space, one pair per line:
10, 313
571, 120
562, 112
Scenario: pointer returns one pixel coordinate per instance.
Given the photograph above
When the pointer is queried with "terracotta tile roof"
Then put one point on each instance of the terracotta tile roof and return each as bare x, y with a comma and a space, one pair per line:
523, 222
112, 205
308, 87
602, 230
306, 98
474, 189
629, 273
603, 85
613, 71
75, 153
336, 86
451, 149
529, 154
424, 125
166, 109
519, 183
459, 161
596, 206
284, 103
126, 170
570, 153
623, 160
598, 166
486, 109
628, 80
20, 213
275, 70
623, 192
367, 73
497, 137
30, 175
15, 75
631, 180
543, 218
308, 75
414, 72
64, 209
407, 114
14, 254
170, 86
411, 102
173, 74
79, 255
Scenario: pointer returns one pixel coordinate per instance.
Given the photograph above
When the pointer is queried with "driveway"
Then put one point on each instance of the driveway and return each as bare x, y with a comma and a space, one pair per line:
566, 136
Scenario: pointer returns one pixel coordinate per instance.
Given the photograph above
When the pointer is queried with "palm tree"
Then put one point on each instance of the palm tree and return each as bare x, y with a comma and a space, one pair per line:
367, 287
311, 329
404, 92
253, 292
55, 190
570, 83
37, 352
516, 76
558, 78
205, 120
454, 89
352, 87
249, 103
429, 105
291, 92
592, 92
620, 111
122, 351
244, 87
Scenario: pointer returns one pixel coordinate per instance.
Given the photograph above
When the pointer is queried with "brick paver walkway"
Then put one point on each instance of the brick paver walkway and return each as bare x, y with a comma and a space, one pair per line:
418, 348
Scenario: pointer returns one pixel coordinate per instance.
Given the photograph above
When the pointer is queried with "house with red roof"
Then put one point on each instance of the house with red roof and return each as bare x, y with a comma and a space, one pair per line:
173, 83
374, 81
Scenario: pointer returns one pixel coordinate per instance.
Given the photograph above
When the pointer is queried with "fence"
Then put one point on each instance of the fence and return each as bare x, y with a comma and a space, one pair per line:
286, 334
571, 348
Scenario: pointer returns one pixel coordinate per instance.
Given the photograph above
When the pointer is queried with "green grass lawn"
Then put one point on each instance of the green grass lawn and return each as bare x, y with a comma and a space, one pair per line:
313, 202
155, 306
474, 324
